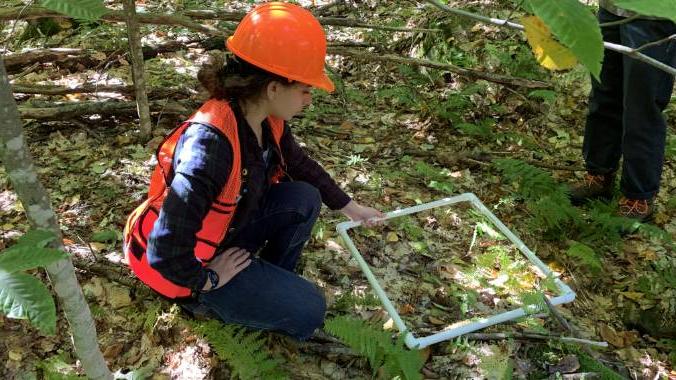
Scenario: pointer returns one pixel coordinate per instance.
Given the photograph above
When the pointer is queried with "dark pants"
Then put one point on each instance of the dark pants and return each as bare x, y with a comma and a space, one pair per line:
268, 295
625, 109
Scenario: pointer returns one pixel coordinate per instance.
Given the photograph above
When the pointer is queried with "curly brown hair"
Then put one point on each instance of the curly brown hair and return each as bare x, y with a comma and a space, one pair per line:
234, 78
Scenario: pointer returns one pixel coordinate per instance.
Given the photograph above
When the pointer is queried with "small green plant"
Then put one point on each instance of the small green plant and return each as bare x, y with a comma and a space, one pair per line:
378, 346
585, 256
23, 296
243, 350
533, 302
546, 199
435, 178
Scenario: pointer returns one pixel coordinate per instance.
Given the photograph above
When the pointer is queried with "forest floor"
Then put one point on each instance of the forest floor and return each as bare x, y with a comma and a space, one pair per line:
392, 136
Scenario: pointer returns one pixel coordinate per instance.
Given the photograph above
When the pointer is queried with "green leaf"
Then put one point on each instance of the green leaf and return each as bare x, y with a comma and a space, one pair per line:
22, 257
656, 8
37, 238
105, 236
90, 10
576, 27
23, 296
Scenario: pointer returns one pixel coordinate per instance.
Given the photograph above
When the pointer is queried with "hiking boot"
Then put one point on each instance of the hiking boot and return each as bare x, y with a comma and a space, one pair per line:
593, 186
639, 209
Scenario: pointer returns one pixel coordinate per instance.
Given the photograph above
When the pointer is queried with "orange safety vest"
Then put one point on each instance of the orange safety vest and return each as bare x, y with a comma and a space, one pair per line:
218, 114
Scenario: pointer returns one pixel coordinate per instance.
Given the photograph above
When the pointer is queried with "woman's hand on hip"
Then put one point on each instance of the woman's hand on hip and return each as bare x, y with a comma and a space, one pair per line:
232, 261
368, 215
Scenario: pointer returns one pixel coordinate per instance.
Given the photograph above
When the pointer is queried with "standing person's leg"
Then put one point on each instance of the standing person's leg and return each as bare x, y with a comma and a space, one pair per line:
602, 144
647, 91
603, 130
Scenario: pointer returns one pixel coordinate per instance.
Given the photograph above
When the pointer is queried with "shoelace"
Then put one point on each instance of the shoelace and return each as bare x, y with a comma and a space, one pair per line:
593, 180
629, 206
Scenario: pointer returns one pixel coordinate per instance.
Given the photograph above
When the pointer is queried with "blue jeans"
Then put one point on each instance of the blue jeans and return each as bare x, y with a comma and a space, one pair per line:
268, 294
625, 109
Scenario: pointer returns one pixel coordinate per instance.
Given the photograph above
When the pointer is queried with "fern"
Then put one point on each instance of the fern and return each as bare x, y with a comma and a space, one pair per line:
585, 255
377, 346
546, 199
244, 351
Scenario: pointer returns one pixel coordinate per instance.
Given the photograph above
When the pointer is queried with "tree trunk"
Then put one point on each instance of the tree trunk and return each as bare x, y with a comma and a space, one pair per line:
22, 175
138, 73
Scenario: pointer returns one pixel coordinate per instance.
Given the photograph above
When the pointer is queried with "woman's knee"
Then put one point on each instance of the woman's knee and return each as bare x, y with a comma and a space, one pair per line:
310, 198
311, 316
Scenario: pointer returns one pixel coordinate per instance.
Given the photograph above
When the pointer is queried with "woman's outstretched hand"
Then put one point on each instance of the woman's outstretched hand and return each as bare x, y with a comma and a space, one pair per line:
357, 212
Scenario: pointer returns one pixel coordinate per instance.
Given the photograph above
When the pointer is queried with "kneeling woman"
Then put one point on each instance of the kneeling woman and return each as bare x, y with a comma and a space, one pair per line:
231, 181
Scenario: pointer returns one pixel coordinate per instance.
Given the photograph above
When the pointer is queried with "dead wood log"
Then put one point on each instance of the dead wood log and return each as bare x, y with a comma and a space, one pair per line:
15, 62
471, 73
157, 92
67, 111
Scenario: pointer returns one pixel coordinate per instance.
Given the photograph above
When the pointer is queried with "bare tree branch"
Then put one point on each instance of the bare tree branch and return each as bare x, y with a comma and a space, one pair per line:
497, 78
634, 53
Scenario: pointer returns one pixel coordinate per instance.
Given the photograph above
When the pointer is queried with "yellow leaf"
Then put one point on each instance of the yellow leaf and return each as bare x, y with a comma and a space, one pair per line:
392, 237
549, 53
635, 296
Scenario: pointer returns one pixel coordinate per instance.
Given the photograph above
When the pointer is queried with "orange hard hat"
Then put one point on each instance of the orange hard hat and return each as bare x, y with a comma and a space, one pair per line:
284, 39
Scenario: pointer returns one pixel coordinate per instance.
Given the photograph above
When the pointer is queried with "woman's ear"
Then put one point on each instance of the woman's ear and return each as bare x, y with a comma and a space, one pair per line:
273, 89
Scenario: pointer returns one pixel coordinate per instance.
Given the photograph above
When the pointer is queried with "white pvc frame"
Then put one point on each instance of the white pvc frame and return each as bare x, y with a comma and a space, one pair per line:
567, 294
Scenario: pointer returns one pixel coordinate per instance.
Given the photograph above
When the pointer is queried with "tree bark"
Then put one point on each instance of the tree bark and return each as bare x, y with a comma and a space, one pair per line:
138, 71
496, 78
22, 175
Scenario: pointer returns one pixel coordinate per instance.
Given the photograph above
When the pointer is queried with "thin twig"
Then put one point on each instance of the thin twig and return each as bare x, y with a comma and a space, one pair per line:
11, 32
619, 22
29, 70
517, 335
658, 42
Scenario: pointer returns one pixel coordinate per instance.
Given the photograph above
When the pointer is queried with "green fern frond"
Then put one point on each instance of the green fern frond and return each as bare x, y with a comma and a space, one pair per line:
377, 346
532, 182
243, 350
586, 256
547, 200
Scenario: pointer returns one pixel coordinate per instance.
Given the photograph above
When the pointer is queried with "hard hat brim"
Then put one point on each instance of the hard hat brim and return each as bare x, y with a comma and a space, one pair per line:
323, 81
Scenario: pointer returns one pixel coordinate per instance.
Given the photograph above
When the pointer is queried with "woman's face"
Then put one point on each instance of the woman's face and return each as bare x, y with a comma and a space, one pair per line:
287, 101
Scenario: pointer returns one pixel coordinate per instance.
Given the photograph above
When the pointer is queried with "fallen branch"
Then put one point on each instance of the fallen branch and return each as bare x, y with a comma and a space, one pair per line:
14, 62
634, 53
450, 159
73, 110
476, 74
186, 19
517, 335
156, 92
